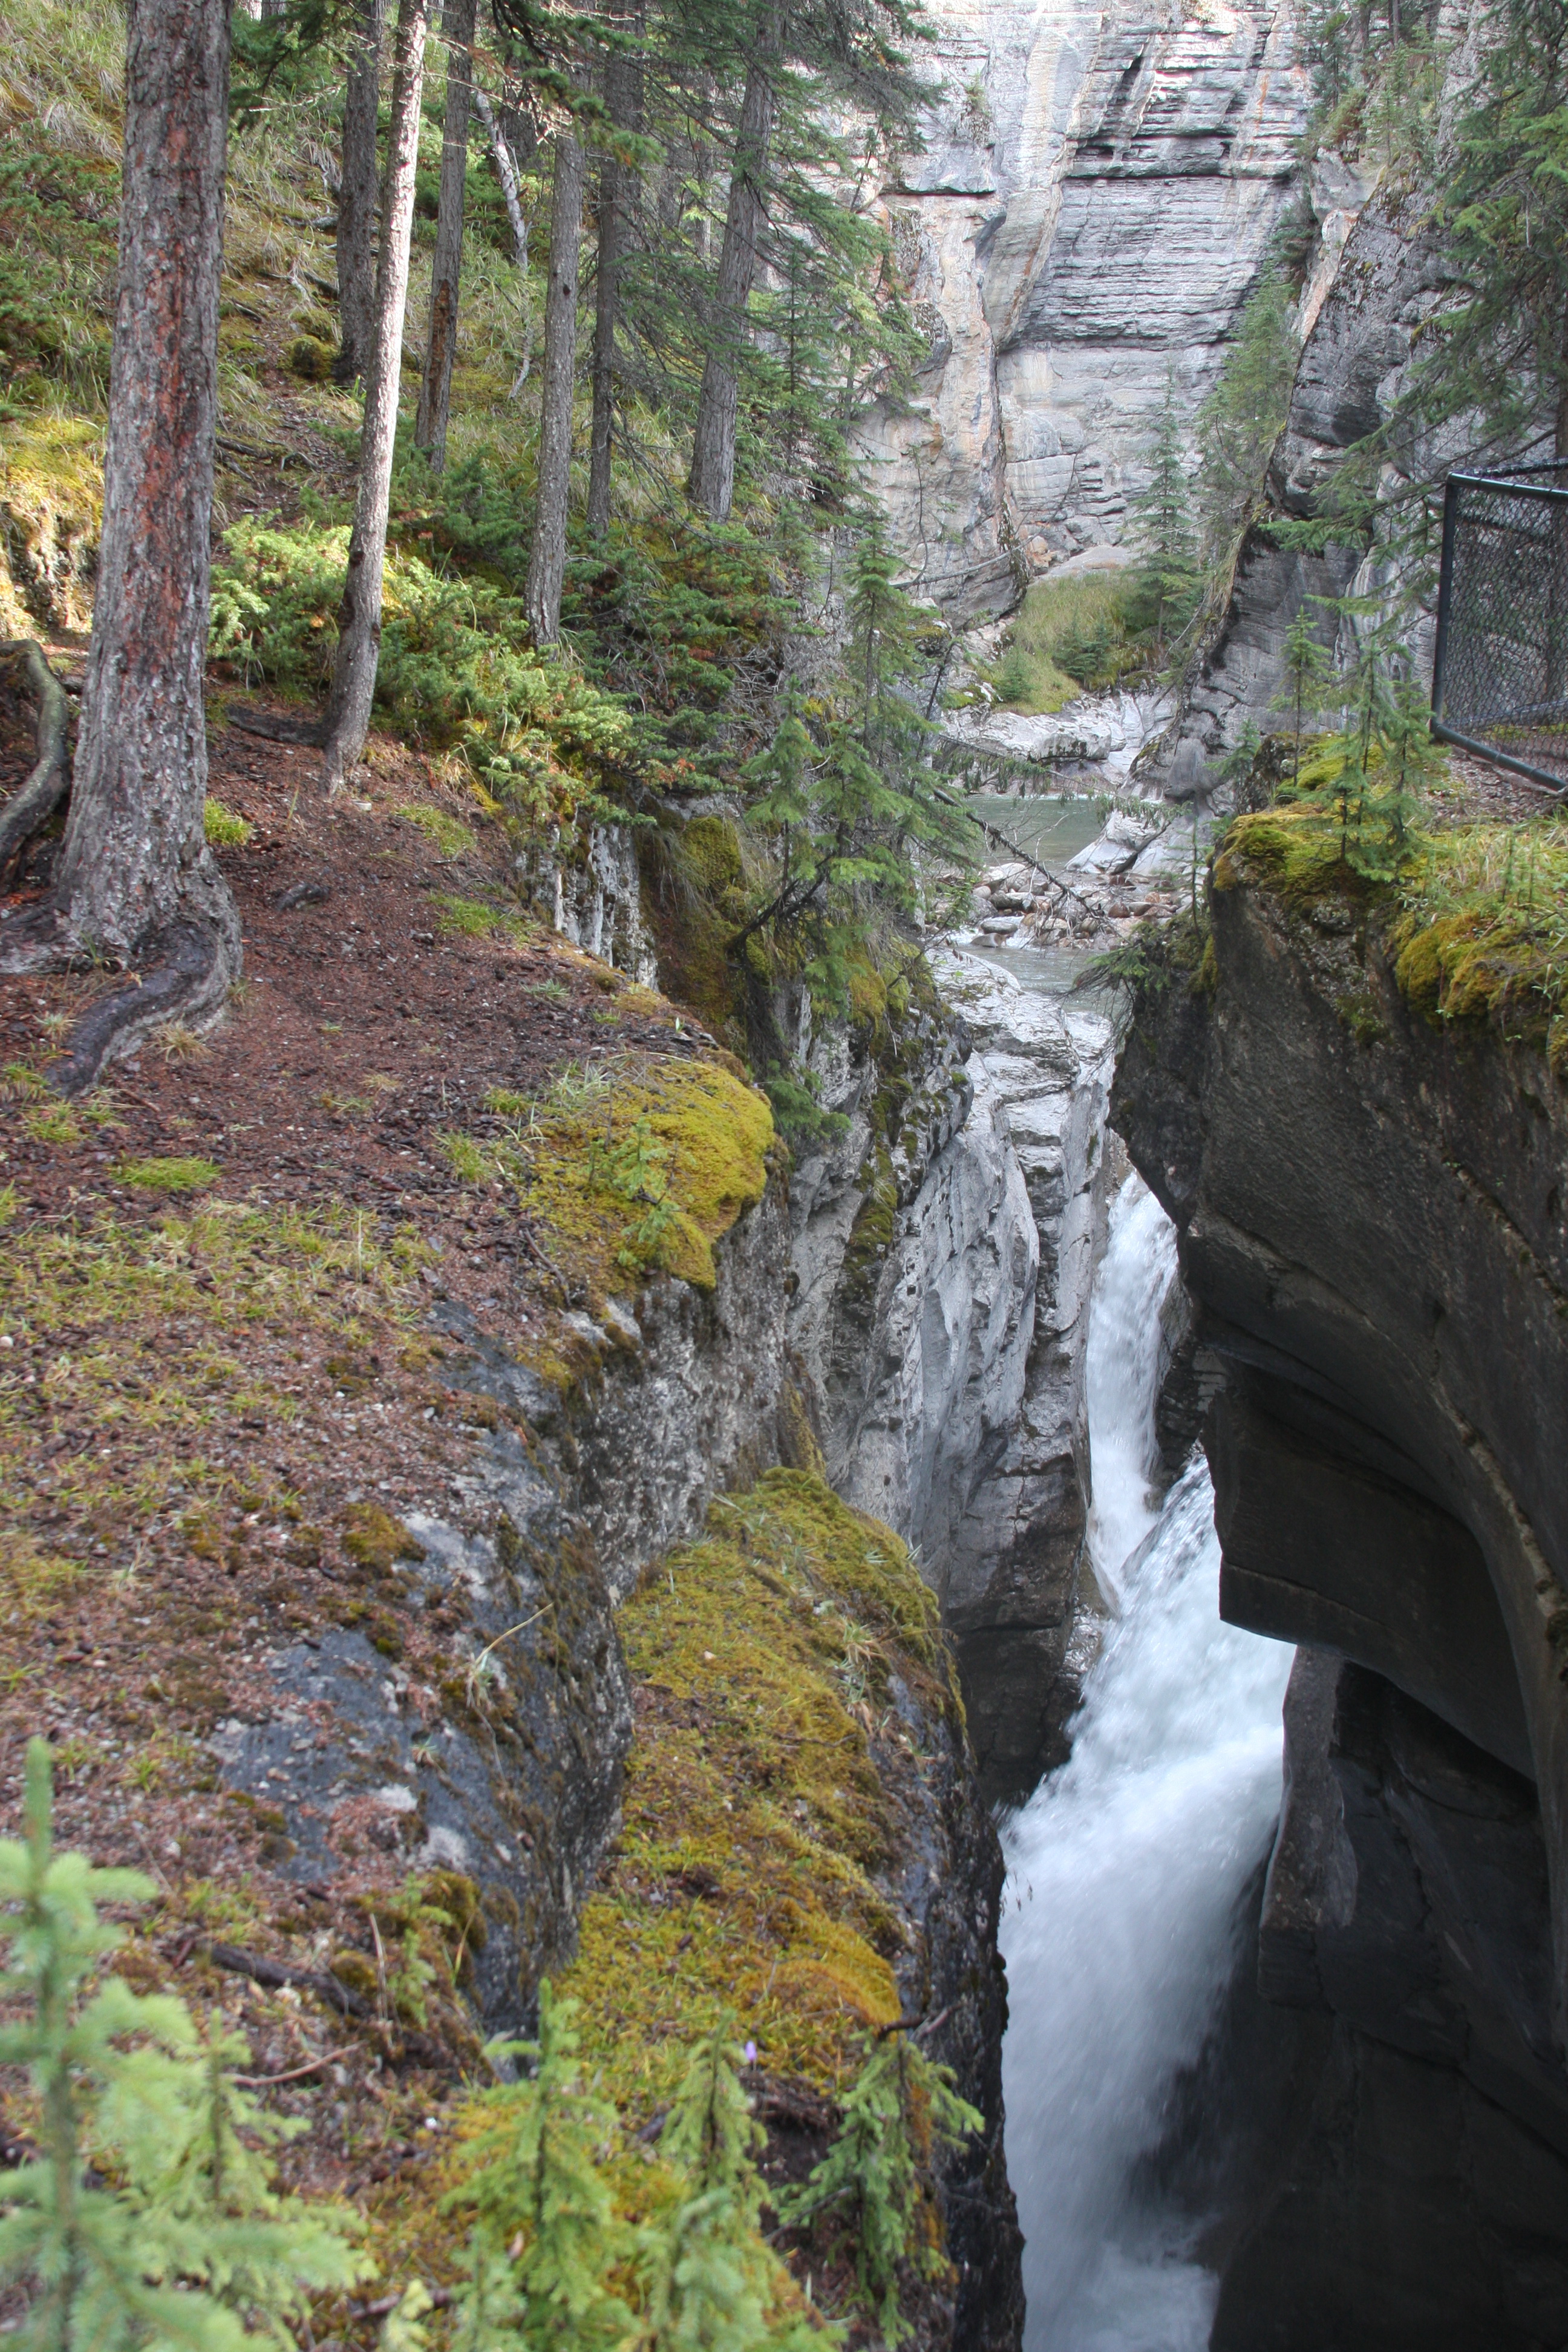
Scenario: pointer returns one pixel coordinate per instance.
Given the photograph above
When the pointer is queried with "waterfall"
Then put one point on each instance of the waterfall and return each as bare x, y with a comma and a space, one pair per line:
1124, 1869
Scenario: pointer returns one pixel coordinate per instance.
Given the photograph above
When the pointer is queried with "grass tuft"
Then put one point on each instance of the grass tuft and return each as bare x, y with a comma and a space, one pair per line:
186, 1175
224, 827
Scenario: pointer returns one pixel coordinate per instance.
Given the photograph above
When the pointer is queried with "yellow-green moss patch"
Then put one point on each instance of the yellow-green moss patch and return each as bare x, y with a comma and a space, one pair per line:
632, 1166
756, 1820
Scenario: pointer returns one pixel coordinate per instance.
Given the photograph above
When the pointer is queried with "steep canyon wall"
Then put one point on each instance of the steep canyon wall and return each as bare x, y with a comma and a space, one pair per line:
1091, 211
1372, 1227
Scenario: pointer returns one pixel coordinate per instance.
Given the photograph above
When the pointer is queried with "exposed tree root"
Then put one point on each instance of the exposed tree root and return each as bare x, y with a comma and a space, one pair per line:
189, 977
31, 808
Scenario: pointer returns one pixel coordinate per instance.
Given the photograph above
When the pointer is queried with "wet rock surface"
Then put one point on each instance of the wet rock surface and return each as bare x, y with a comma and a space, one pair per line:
1370, 1232
1416, 2189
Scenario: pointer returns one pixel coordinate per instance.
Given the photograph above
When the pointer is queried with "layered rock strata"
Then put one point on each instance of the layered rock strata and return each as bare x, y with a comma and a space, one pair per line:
1090, 209
1371, 1213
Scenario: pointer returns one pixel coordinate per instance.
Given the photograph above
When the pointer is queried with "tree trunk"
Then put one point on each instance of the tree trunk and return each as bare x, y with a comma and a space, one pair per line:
357, 192
359, 614
136, 882
436, 388
547, 557
506, 172
623, 103
713, 483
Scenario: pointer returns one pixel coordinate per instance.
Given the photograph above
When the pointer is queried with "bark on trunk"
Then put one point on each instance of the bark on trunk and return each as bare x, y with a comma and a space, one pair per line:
547, 557
623, 101
436, 388
357, 192
359, 614
136, 882
713, 484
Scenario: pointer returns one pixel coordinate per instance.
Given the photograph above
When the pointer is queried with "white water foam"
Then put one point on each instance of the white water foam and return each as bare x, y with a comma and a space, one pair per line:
1125, 1867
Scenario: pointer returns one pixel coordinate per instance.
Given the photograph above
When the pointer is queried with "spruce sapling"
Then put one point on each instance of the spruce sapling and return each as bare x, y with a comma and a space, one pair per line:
194, 2204
546, 2238
712, 2282
899, 2106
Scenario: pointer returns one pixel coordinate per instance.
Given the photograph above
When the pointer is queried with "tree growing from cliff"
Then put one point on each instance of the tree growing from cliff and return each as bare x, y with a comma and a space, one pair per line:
135, 885
846, 794
1169, 577
1243, 416
899, 2110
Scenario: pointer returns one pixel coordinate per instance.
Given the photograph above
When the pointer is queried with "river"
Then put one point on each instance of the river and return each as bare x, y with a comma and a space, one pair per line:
1121, 1924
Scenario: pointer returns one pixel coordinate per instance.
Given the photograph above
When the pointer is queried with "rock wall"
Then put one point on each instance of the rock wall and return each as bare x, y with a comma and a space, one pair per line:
1089, 214
1371, 1214
944, 1250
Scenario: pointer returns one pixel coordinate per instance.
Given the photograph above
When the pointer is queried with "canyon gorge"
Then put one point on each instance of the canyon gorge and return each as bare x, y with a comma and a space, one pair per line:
982, 1487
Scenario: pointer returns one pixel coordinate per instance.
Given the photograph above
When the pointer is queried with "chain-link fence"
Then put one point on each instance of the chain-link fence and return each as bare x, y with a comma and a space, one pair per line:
1500, 677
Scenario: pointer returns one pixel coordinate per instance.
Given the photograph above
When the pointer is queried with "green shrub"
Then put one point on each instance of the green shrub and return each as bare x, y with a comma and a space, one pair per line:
1073, 636
191, 2246
455, 665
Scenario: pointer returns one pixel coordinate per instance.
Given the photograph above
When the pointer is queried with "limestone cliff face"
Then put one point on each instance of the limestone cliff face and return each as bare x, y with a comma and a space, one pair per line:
1377, 277
1373, 1236
944, 1250
1091, 211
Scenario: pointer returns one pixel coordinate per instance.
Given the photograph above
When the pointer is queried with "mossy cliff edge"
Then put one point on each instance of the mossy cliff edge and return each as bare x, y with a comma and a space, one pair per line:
354, 1363
1366, 1155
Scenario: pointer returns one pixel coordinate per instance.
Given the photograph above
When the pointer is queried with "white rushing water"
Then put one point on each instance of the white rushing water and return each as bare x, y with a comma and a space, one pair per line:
1125, 1867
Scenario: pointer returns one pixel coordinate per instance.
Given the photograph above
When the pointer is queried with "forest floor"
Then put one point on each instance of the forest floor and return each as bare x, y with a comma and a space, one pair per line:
211, 1372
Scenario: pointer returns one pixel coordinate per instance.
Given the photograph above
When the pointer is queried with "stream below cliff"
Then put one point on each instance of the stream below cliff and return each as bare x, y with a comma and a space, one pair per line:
1121, 1925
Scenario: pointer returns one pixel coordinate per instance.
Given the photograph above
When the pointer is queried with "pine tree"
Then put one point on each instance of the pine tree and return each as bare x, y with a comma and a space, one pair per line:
192, 2243
712, 2283
1169, 576
546, 2238
899, 2107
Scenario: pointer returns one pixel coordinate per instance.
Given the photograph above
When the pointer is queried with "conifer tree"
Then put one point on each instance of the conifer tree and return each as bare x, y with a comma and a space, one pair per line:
899, 2107
713, 2284
546, 2238
194, 2242
1169, 575
1240, 421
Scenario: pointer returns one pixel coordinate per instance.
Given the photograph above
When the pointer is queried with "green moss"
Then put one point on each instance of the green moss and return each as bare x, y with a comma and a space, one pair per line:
631, 1167
310, 358
711, 850
754, 1816
1297, 853
94, 1305
452, 839
375, 1539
